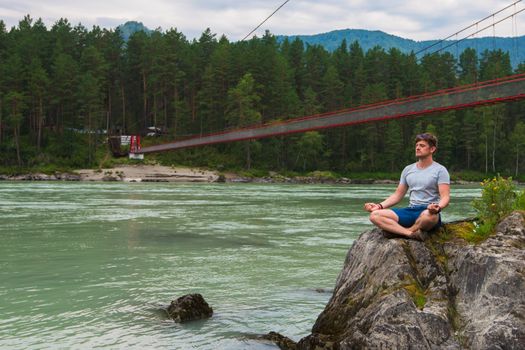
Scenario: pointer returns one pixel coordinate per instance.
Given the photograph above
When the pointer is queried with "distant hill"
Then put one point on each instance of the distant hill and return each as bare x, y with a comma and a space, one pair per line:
128, 28
368, 39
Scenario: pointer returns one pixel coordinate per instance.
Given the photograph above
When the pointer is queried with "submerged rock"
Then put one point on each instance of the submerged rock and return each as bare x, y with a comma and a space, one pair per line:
189, 307
395, 293
284, 343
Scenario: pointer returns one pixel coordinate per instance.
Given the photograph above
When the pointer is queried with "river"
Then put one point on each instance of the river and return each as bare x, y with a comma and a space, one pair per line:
92, 265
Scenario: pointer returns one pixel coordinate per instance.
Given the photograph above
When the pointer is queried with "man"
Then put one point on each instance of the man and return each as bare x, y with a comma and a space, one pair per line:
428, 184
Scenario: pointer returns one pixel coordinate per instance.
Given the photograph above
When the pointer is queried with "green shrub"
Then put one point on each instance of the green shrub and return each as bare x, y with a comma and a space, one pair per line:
328, 175
498, 199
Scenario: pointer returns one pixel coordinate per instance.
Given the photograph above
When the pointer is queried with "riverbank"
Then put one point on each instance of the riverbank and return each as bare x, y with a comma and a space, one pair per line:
124, 173
161, 173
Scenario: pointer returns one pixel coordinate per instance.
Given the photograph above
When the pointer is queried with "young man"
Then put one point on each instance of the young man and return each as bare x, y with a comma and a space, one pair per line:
428, 184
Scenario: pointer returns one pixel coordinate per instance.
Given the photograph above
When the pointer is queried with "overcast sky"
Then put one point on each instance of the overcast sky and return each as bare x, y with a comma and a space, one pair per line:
414, 19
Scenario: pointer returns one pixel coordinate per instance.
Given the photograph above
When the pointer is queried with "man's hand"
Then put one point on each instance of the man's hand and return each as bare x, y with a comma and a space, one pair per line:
370, 207
433, 208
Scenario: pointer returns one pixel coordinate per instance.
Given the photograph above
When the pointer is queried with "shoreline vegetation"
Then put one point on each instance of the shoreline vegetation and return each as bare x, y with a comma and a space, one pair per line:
163, 173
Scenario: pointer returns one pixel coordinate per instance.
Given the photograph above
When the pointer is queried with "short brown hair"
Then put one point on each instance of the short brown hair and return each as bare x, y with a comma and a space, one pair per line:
429, 138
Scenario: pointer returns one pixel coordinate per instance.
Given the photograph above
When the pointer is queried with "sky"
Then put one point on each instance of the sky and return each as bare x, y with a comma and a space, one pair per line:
412, 19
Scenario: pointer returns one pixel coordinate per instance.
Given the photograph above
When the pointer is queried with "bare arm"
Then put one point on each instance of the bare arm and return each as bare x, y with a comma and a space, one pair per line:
444, 194
392, 200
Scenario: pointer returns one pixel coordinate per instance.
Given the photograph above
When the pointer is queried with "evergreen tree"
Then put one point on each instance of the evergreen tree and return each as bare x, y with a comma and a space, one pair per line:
517, 138
393, 145
38, 85
468, 66
242, 100
310, 149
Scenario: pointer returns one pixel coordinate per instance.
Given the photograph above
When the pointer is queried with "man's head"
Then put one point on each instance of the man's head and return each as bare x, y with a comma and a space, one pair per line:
426, 145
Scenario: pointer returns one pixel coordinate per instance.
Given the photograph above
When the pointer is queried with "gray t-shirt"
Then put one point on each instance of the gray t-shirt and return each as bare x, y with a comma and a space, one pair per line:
423, 183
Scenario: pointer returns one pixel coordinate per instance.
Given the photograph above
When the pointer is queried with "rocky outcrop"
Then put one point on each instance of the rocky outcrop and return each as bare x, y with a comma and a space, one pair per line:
41, 177
189, 307
443, 293
284, 343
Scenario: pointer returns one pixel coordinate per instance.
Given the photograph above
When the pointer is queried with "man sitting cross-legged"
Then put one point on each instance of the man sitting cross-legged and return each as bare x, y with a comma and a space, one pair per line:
428, 185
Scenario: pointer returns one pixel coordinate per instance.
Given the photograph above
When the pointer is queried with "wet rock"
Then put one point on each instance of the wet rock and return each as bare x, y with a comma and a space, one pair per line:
110, 178
189, 307
395, 293
284, 343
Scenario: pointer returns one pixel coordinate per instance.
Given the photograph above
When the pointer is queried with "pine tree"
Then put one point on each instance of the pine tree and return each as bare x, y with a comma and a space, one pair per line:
517, 138
241, 108
38, 85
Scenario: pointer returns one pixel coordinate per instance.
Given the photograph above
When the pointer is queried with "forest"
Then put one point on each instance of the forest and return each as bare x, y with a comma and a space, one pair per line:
64, 88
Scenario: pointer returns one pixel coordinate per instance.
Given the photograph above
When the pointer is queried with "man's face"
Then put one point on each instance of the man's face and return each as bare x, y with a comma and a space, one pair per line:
423, 149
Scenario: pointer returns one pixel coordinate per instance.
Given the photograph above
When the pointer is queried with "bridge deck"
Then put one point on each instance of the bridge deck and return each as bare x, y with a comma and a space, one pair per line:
495, 91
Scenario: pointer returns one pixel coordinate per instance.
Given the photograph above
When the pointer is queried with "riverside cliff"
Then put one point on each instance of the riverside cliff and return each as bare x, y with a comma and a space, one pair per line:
443, 293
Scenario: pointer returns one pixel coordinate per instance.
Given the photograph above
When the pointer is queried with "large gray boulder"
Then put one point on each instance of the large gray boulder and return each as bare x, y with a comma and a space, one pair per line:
443, 293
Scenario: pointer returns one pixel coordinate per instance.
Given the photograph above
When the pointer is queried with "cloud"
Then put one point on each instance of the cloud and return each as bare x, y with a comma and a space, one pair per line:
415, 19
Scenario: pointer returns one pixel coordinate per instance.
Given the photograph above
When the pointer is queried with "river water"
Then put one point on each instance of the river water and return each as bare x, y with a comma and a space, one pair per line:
93, 265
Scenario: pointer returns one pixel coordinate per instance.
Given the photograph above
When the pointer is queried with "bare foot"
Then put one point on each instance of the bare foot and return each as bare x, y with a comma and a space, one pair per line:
418, 235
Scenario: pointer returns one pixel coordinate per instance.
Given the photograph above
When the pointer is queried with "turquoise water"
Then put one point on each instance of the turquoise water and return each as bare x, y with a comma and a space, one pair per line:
93, 265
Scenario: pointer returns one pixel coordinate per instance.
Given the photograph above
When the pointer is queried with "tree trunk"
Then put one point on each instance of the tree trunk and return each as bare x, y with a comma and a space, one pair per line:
123, 107
1, 126
468, 157
154, 109
165, 101
248, 155
144, 100
90, 139
486, 153
40, 124
108, 114
17, 144
176, 110
193, 105
494, 144
344, 148
517, 159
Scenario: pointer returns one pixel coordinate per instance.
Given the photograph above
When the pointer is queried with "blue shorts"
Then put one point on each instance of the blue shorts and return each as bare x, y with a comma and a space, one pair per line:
408, 216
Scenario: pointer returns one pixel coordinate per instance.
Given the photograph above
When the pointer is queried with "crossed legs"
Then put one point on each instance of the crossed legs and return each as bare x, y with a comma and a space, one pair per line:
387, 220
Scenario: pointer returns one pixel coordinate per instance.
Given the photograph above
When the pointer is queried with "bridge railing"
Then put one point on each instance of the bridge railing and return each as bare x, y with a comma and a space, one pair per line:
466, 96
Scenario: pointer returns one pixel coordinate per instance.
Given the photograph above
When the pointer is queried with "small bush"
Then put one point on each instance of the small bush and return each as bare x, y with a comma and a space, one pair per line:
498, 199
327, 175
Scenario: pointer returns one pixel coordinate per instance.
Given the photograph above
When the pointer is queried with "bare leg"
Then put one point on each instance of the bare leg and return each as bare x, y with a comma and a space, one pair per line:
425, 221
387, 220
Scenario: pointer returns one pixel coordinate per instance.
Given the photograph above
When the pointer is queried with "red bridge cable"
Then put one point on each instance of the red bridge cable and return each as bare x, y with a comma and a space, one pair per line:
517, 80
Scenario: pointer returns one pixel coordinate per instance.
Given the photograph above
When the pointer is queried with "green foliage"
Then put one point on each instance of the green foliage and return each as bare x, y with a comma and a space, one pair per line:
498, 199
323, 175
417, 294
60, 88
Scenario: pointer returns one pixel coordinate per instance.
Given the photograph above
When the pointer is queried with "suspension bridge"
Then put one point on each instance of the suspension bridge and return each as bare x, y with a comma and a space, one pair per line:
506, 89
511, 88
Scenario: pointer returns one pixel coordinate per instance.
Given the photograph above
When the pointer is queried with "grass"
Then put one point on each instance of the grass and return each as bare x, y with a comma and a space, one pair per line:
468, 231
417, 294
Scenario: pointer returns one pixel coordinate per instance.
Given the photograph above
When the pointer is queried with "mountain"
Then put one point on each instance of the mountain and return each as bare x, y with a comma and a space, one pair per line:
368, 39
128, 28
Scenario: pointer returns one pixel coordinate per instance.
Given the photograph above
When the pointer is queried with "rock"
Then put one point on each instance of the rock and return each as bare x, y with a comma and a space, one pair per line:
362, 181
284, 343
395, 293
109, 178
488, 281
189, 307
